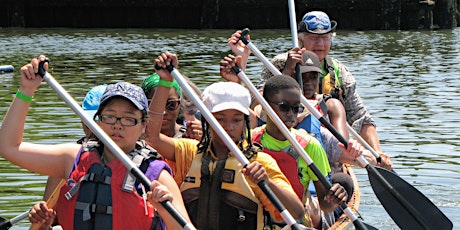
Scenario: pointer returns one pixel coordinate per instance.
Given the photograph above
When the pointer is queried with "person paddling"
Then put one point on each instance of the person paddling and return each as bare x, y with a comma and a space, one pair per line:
218, 192
315, 33
102, 200
283, 94
40, 215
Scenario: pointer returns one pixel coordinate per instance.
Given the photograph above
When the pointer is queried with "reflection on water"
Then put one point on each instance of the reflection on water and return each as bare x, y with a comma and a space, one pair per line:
408, 80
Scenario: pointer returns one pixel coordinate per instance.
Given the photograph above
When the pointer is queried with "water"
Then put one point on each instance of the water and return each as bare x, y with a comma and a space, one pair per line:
407, 79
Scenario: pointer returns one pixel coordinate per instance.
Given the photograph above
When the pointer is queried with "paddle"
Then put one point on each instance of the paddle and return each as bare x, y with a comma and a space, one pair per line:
287, 217
407, 206
6, 224
295, 40
132, 168
50, 202
280, 124
364, 143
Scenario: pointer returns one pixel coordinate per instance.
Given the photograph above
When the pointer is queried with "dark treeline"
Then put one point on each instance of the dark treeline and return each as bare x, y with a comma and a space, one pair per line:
213, 14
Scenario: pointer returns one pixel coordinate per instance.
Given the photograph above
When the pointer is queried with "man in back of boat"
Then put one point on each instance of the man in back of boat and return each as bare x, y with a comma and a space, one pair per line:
315, 33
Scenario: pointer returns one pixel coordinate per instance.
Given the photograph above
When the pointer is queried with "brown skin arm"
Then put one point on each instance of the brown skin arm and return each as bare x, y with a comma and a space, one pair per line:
162, 143
256, 173
330, 200
337, 116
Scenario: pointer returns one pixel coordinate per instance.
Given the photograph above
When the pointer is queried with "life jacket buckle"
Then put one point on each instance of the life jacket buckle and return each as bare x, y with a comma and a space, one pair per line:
241, 216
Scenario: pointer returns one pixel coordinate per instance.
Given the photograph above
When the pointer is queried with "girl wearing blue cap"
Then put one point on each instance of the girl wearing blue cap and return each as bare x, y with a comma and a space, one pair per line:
217, 191
100, 193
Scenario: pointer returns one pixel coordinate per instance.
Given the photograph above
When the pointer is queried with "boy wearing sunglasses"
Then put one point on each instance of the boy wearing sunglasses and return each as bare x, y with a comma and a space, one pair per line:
283, 95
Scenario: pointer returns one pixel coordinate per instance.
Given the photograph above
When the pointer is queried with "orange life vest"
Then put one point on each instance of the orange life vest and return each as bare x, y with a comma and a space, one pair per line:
127, 211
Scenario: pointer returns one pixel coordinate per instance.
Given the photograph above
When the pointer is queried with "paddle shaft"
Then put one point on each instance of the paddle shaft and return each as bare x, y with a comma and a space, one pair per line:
371, 169
295, 40
109, 143
363, 142
50, 202
7, 224
285, 131
287, 217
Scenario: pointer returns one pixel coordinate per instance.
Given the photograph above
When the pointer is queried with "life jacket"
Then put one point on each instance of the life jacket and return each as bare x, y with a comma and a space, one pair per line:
86, 201
217, 195
286, 158
331, 82
312, 125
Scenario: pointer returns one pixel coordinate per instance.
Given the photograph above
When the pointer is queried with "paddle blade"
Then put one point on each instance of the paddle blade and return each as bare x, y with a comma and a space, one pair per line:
406, 205
5, 224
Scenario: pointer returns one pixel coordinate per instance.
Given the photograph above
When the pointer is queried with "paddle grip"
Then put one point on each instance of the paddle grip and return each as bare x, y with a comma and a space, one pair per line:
169, 67
243, 36
236, 69
41, 69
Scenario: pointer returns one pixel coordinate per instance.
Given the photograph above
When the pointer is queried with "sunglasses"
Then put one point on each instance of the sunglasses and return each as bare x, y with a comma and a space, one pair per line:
171, 104
284, 107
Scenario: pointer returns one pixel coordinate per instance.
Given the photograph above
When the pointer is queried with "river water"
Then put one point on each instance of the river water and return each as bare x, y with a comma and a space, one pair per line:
408, 80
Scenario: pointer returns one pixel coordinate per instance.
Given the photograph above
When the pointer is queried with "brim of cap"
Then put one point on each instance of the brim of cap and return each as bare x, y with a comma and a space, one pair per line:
323, 31
138, 106
90, 113
230, 105
304, 69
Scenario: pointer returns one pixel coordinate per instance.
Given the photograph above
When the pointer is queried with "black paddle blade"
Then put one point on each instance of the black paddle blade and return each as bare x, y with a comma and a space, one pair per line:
406, 205
370, 227
5, 224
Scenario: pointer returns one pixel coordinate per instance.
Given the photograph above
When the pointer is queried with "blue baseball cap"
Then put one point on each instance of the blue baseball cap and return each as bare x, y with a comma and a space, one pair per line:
133, 93
316, 22
92, 100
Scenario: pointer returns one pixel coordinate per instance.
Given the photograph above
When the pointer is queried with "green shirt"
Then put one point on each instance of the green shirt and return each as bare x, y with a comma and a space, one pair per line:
313, 149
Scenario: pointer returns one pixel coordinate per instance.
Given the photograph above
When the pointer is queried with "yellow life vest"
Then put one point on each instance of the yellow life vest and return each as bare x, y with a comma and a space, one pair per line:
230, 202
331, 82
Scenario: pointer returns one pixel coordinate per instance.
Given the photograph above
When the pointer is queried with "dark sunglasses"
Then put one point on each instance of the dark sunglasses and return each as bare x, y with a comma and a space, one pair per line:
297, 108
171, 104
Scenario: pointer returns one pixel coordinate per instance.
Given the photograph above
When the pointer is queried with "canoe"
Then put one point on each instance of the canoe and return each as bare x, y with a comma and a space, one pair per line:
6, 69
343, 222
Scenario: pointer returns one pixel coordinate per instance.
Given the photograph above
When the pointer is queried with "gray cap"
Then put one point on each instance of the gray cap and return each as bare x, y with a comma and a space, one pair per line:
310, 63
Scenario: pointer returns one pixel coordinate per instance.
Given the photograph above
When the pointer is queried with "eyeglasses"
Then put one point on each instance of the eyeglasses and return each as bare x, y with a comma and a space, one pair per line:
317, 37
297, 108
125, 121
171, 104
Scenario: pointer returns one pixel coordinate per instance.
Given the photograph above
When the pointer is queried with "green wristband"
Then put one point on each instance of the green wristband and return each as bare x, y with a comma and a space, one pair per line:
23, 97
164, 83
